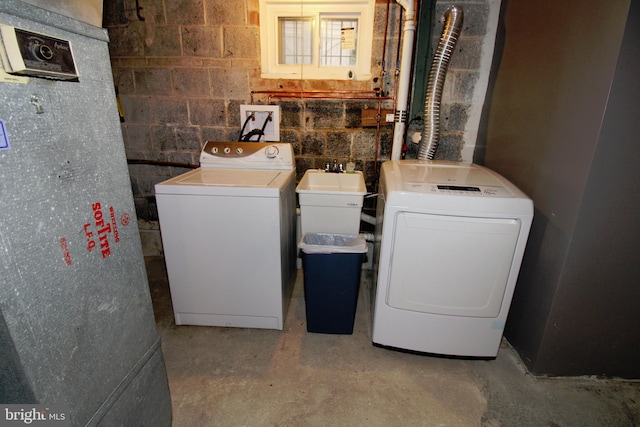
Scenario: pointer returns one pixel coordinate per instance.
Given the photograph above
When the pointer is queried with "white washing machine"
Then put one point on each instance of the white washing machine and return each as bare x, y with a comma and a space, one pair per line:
451, 237
229, 236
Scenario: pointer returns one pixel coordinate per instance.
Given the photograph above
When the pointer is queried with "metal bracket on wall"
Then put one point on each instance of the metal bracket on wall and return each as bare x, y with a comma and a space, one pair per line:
35, 101
120, 10
138, 9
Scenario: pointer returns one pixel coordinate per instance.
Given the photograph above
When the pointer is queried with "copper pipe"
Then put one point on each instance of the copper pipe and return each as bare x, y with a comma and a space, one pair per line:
321, 94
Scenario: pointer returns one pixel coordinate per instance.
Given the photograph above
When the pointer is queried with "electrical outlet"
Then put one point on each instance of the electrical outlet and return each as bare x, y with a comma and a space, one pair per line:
260, 119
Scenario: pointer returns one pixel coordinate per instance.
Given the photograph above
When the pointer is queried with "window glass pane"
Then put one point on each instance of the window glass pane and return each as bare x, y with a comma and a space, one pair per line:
338, 41
296, 40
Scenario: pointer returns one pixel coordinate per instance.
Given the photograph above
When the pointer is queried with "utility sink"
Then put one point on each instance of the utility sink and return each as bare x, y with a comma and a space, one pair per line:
319, 181
330, 202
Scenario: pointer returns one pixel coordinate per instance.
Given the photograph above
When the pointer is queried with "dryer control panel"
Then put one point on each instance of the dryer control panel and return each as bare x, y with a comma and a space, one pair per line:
466, 190
459, 190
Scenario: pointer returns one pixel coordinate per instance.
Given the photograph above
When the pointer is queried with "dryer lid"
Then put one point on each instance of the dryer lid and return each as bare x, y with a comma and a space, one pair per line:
447, 173
442, 177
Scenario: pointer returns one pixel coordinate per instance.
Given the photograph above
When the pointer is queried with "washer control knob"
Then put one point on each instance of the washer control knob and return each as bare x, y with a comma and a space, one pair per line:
239, 150
227, 150
271, 151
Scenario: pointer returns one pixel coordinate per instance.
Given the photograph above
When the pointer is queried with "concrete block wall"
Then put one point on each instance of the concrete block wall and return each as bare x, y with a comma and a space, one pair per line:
183, 71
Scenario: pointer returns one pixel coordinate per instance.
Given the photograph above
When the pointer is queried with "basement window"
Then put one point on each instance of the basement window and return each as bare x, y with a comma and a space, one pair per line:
322, 39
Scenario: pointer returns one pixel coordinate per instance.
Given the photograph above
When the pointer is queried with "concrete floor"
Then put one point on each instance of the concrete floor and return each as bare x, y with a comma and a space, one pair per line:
255, 377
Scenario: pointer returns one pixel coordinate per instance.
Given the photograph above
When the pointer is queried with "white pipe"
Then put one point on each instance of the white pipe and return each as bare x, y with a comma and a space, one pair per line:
369, 237
402, 96
369, 219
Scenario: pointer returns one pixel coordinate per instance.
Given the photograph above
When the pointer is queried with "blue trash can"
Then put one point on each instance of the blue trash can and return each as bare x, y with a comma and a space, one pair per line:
331, 265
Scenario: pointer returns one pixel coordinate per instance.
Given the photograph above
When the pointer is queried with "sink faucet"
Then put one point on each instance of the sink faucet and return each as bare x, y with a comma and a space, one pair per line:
335, 167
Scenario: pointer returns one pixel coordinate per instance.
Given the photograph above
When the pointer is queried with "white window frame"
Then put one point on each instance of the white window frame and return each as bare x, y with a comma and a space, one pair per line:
271, 10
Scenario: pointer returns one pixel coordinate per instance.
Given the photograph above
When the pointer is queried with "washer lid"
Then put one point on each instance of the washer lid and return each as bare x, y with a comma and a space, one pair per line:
232, 182
231, 178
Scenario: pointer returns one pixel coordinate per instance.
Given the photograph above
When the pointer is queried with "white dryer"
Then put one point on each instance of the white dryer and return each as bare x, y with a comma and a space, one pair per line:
229, 236
450, 240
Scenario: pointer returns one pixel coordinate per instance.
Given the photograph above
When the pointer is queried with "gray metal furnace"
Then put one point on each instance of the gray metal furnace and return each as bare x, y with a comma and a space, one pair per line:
76, 322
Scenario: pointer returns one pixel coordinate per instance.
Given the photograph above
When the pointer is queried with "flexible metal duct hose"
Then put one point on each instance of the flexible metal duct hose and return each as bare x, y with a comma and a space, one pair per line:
431, 130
